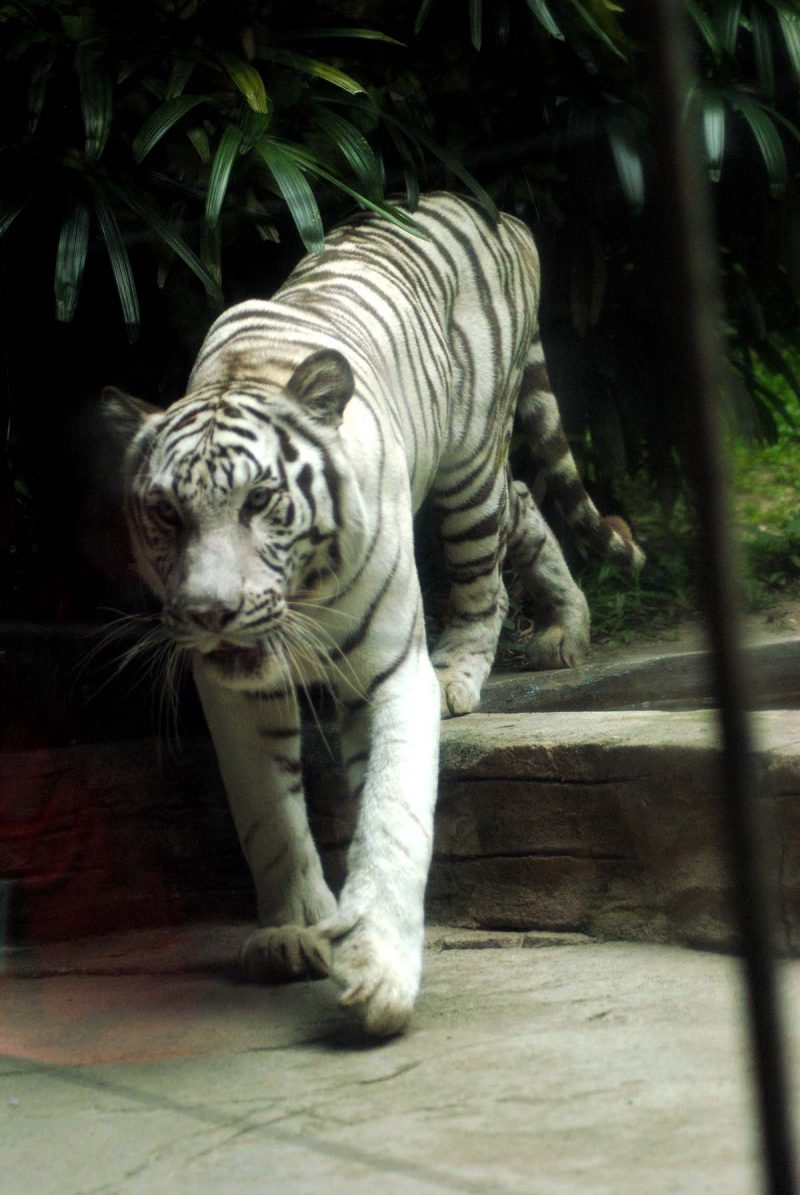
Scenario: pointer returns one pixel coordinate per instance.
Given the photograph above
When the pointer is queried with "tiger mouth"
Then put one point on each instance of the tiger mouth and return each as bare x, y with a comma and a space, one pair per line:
229, 657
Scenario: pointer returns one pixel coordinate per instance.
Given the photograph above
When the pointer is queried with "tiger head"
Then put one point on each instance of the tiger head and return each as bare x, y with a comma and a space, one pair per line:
240, 501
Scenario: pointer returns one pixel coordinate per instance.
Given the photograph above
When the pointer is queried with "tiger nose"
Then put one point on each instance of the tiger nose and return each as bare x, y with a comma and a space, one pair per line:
213, 617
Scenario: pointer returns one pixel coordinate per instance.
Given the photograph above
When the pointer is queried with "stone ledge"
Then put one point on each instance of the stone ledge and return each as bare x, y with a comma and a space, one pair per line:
608, 823
605, 823
662, 680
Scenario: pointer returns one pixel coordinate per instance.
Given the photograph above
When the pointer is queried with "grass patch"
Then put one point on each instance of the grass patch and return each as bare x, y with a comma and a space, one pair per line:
766, 483
624, 607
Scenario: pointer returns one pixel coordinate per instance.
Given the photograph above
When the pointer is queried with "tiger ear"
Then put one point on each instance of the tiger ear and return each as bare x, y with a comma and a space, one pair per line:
323, 383
123, 414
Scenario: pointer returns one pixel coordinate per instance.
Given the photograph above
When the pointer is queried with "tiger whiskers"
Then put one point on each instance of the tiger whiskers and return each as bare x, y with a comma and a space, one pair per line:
291, 659
150, 635
325, 603
120, 627
324, 649
174, 662
304, 604
160, 659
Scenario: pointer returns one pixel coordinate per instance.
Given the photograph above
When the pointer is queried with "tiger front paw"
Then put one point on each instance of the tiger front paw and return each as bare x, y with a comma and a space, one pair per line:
378, 972
282, 953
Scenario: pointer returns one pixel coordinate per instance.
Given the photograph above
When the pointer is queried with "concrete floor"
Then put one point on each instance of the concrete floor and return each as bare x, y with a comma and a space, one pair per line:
536, 1063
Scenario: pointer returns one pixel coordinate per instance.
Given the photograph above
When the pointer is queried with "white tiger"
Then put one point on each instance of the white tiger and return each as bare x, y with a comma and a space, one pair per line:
271, 511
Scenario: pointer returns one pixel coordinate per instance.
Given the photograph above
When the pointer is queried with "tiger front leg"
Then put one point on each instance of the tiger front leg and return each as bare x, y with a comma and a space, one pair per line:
257, 741
376, 935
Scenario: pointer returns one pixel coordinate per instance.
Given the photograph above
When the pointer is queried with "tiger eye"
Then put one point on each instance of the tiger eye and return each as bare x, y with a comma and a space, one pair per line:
258, 500
163, 511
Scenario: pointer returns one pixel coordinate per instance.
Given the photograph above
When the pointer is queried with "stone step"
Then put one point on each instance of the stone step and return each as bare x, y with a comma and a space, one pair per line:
606, 822
610, 823
663, 679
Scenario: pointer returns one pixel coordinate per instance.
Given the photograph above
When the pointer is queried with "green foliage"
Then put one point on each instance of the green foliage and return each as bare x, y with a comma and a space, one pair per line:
767, 492
766, 504
176, 126
164, 157
107, 141
598, 16
665, 590
579, 167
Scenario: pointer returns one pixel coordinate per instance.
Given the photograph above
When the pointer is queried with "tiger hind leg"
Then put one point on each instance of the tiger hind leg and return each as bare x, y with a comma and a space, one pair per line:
559, 606
471, 533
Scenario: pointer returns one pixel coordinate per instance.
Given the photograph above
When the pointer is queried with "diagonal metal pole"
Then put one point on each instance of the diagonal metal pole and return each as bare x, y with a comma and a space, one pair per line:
693, 330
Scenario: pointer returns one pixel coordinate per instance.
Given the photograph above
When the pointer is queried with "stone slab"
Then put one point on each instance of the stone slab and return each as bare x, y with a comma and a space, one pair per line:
580, 1069
607, 822
663, 679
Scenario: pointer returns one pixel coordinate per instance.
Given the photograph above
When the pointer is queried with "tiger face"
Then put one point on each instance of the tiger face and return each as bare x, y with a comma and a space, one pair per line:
239, 505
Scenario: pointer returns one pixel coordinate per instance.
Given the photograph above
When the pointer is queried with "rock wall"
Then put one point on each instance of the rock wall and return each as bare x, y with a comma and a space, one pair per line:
609, 823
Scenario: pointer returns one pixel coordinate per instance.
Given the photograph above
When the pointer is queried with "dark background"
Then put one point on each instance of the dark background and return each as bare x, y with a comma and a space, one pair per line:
545, 106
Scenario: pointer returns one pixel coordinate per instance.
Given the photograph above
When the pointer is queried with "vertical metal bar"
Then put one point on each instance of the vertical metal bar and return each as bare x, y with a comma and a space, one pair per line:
696, 366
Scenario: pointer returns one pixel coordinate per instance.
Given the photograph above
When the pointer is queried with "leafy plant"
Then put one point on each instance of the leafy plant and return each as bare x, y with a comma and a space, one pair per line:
162, 157
588, 89
141, 124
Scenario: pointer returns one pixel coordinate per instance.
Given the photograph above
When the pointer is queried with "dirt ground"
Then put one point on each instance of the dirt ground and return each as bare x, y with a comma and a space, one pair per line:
781, 621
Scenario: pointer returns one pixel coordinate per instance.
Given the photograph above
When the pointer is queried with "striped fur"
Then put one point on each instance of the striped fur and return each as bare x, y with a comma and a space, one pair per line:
271, 509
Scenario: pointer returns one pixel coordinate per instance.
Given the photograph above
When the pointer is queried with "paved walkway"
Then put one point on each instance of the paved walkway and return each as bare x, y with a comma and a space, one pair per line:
536, 1063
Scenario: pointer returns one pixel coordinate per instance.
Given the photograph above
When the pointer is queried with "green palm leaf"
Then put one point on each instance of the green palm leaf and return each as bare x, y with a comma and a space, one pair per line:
313, 33
73, 246
727, 15
422, 14
597, 29
762, 45
705, 25
247, 79
783, 121
450, 162
354, 148
120, 264
409, 165
714, 133
229, 146
9, 212
159, 123
389, 211
475, 22
545, 18
164, 231
199, 139
314, 67
178, 77
296, 191
790, 27
768, 140
253, 125
97, 101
